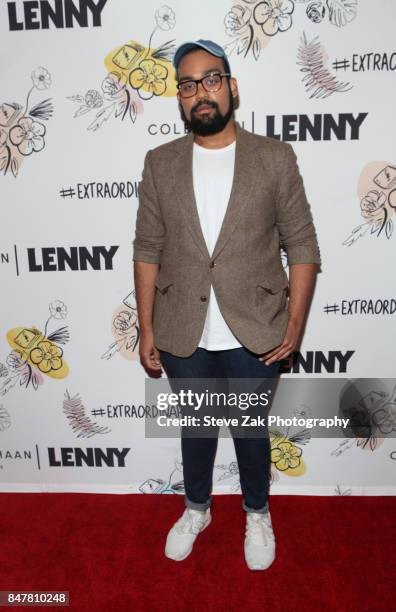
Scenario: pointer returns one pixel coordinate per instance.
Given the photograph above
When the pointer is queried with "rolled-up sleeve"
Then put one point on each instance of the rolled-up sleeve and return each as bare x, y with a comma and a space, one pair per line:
150, 229
294, 218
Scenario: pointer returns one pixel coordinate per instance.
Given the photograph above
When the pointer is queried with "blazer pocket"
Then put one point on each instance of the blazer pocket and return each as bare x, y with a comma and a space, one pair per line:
271, 298
274, 285
163, 285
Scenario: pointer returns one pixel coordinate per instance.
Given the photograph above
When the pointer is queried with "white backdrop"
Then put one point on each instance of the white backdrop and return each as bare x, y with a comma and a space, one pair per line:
82, 100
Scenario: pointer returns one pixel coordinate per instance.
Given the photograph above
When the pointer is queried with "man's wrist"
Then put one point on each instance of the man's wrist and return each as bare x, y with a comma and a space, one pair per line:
297, 320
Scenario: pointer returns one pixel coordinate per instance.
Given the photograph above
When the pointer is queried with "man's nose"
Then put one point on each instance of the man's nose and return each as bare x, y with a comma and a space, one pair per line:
200, 85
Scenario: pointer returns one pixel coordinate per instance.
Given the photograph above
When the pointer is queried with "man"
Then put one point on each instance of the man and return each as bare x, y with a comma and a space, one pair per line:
215, 207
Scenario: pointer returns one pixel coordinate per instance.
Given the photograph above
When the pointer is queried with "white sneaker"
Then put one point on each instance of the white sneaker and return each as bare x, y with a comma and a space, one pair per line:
259, 541
184, 532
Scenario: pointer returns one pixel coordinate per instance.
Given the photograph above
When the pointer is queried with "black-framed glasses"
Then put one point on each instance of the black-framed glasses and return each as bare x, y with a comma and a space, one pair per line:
210, 82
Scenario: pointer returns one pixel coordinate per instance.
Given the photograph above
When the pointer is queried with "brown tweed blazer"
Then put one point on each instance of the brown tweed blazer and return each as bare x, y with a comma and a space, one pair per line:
267, 209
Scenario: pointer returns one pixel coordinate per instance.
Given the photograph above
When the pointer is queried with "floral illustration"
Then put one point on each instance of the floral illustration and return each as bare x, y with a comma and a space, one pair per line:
165, 18
319, 82
341, 12
371, 410
373, 204
149, 79
384, 417
237, 20
274, 16
80, 423
316, 11
286, 451
286, 455
253, 24
22, 130
377, 195
35, 353
27, 136
135, 74
41, 78
158, 485
5, 419
125, 330
47, 356
58, 310
230, 472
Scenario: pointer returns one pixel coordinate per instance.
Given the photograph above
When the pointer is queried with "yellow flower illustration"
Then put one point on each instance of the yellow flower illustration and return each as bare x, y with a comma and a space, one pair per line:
146, 71
149, 79
39, 350
47, 356
286, 455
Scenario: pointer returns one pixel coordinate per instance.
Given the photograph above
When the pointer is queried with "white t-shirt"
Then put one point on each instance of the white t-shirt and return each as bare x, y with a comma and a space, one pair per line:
213, 172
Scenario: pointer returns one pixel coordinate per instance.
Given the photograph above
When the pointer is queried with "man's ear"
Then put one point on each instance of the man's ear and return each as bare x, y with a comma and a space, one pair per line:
234, 87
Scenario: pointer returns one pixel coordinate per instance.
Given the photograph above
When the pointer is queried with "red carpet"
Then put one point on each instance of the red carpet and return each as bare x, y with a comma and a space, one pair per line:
333, 553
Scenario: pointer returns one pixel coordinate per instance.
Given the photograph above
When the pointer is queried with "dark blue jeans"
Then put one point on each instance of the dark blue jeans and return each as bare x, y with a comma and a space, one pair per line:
198, 454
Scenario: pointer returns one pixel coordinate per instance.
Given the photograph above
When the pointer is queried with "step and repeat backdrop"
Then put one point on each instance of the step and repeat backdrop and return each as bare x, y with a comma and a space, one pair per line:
87, 88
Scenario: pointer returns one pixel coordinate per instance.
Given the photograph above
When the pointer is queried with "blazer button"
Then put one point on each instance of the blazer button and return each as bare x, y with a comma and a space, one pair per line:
203, 298
212, 264
165, 290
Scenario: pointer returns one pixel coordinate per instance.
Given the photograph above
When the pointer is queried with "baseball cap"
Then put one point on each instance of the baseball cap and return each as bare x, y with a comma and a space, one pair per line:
207, 45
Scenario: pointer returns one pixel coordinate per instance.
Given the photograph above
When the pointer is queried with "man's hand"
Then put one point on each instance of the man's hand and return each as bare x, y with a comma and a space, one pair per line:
149, 354
290, 343
302, 282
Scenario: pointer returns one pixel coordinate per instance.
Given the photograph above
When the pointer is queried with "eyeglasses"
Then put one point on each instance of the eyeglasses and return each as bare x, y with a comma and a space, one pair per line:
211, 82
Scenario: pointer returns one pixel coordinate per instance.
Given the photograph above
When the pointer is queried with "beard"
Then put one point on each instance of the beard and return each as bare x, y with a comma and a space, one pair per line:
208, 124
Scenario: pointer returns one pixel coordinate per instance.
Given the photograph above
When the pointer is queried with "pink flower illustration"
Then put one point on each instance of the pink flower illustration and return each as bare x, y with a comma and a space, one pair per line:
113, 85
3, 138
27, 136
372, 205
124, 321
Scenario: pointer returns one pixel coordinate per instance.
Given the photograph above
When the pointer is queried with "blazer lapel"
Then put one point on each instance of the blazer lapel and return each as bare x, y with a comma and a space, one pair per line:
184, 190
246, 169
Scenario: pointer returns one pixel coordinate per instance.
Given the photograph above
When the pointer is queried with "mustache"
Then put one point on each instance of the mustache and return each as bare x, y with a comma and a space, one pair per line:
204, 103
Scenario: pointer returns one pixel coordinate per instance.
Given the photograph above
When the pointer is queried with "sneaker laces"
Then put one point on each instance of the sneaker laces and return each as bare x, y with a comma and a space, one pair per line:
192, 521
259, 528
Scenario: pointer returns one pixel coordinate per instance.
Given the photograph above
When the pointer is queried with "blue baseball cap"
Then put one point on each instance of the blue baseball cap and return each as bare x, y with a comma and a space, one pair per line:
207, 45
